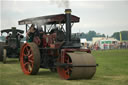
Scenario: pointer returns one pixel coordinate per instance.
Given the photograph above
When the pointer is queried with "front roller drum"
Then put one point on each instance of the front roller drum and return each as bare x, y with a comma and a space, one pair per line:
82, 65
30, 58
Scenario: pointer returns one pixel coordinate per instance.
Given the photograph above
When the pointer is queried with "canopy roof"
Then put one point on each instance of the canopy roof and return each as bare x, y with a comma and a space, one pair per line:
51, 19
10, 30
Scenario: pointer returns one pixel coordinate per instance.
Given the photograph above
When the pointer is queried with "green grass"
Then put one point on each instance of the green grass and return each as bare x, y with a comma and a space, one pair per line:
112, 70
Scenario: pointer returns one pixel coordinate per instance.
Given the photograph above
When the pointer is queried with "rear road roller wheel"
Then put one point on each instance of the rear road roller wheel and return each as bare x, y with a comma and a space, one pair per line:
30, 58
80, 66
4, 55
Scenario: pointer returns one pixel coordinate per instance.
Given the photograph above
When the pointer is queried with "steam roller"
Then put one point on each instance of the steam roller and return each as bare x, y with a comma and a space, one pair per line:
54, 48
77, 65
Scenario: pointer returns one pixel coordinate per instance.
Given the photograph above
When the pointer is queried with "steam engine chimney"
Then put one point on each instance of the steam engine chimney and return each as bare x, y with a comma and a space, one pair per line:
68, 24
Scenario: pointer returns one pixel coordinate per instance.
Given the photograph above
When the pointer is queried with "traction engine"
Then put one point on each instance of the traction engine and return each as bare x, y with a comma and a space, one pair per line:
53, 48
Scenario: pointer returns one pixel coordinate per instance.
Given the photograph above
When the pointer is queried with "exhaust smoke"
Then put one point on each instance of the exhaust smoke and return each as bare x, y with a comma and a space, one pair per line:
61, 3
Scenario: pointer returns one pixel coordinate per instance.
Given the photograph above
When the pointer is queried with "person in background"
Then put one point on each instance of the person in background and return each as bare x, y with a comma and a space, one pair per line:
8, 37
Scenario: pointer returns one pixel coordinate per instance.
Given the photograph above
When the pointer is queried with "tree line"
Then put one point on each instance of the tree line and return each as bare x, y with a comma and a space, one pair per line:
124, 35
92, 34
88, 35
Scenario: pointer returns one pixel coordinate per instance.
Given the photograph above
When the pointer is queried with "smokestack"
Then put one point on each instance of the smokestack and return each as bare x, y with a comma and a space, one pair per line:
68, 24
14, 32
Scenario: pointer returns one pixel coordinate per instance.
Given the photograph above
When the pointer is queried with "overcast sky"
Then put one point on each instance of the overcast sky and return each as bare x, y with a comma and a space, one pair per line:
102, 16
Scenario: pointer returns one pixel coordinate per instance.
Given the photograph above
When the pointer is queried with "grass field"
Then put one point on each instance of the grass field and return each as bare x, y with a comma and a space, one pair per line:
112, 70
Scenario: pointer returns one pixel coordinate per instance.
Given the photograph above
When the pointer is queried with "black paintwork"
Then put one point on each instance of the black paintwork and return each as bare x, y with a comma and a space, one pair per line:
12, 44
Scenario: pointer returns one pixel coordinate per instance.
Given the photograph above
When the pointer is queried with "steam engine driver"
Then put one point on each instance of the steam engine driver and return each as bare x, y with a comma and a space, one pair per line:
33, 35
30, 33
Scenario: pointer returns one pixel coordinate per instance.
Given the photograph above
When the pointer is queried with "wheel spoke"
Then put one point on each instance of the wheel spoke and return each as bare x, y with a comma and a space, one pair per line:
26, 63
31, 61
67, 70
27, 51
29, 67
24, 54
29, 64
30, 57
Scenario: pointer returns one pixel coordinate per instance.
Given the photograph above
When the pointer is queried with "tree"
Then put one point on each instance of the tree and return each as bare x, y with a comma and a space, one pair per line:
116, 35
89, 35
123, 33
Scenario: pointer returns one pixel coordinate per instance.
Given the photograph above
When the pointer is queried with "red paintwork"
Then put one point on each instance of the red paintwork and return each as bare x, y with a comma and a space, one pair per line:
26, 51
72, 50
64, 73
37, 40
49, 42
48, 39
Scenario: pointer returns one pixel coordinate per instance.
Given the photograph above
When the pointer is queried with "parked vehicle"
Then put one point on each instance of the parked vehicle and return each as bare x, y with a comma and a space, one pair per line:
11, 47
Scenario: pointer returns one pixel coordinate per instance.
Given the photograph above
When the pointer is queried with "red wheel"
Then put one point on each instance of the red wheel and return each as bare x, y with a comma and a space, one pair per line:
65, 73
30, 58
